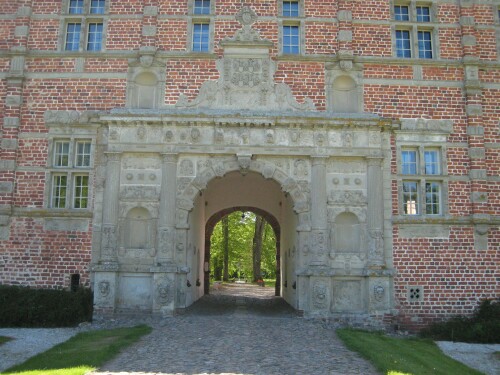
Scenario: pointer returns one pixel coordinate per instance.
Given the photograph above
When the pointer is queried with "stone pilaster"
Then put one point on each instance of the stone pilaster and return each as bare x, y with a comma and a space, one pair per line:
375, 215
109, 235
166, 222
319, 240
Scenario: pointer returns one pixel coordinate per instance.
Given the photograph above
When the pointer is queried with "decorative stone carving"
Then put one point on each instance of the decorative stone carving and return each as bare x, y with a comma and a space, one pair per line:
166, 242
347, 139
104, 288
186, 168
301, 170
436, 126
320, 295
109, 241
69, 117
246, 78
376, 244
244, 163
347, 197
378, 293
139, 192
164, 292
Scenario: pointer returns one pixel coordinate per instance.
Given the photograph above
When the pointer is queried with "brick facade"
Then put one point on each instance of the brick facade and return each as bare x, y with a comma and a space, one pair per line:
461, 83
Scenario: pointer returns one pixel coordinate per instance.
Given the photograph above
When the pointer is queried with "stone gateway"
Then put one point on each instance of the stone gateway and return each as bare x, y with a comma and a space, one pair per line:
366, 134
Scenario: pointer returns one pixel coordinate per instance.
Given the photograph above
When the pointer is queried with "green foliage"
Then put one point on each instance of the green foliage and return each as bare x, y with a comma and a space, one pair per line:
241, 233
482, 327
27, 307
82, 353
396, 356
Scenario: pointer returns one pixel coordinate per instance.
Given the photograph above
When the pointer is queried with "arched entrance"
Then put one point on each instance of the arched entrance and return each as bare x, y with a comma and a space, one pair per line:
246, 190
209, 228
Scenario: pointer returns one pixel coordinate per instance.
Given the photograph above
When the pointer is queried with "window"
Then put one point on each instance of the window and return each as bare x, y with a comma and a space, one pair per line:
201, 7
201, 37
423, 14
291, 39
76, 7
401, 13
73, 31
409, 162
403, 44
410, 198
71, 163
290, 12
97, 7
94, 40
290, 9
424, 45
412, 30
426, 175
85, 32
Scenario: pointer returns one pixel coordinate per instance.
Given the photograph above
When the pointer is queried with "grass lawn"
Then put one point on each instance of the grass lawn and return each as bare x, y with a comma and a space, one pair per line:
4, 339
82, 353
395, 356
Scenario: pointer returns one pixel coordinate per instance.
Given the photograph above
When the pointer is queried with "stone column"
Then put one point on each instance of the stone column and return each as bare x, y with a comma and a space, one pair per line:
375, 216
166, 221
318, 212
109, 235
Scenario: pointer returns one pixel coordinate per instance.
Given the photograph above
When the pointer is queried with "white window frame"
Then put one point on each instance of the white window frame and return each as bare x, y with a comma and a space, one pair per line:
68, 148
415, 27
427, 174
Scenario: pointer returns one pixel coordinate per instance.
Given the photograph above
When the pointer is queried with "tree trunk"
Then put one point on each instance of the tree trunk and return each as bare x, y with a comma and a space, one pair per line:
257, 247
225, 230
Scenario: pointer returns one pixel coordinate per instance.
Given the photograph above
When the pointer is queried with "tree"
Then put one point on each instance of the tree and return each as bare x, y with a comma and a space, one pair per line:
257, 247
225, 231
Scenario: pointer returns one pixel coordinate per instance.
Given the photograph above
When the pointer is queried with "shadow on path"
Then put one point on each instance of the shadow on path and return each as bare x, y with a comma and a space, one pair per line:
241, 299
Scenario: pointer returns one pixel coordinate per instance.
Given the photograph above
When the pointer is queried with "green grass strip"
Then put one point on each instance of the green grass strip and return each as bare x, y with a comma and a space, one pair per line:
396, 356
4, 339
84, 352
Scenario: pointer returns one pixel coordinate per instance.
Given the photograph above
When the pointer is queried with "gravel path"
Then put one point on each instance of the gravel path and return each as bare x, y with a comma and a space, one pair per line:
478, 356
29, 342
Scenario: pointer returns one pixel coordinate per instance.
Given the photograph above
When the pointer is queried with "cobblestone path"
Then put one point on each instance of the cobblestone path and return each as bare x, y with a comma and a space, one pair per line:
238, 334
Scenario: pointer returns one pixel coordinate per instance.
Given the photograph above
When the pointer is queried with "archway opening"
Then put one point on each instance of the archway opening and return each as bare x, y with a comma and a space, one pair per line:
246, 191
242, 246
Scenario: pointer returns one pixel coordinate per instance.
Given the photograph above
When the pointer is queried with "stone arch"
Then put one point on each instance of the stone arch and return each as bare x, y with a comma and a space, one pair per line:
244, 164
215, 218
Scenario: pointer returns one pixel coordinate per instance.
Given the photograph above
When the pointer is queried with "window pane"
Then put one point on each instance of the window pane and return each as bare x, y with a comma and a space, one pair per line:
403, 45
432, 198
423, 14
431, 162
83, 154
201, 37
94, 42
61, 154
59, 187
76, 6
291, 39
410, 198
81, 193
290, 8
401, 13
201, 7
409, 162
97, 6
72, 36
424, 45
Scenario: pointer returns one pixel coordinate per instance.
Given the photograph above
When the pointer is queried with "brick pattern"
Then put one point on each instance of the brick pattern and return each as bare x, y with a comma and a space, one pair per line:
453, 273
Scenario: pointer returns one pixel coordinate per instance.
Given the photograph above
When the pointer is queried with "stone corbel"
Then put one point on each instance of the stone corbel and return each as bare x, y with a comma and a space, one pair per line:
244, 162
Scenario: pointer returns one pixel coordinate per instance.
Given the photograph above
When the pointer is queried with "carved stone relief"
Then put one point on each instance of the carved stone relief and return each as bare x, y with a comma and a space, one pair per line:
320, 295
164, 291
186, 168
109, 241
352, 197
